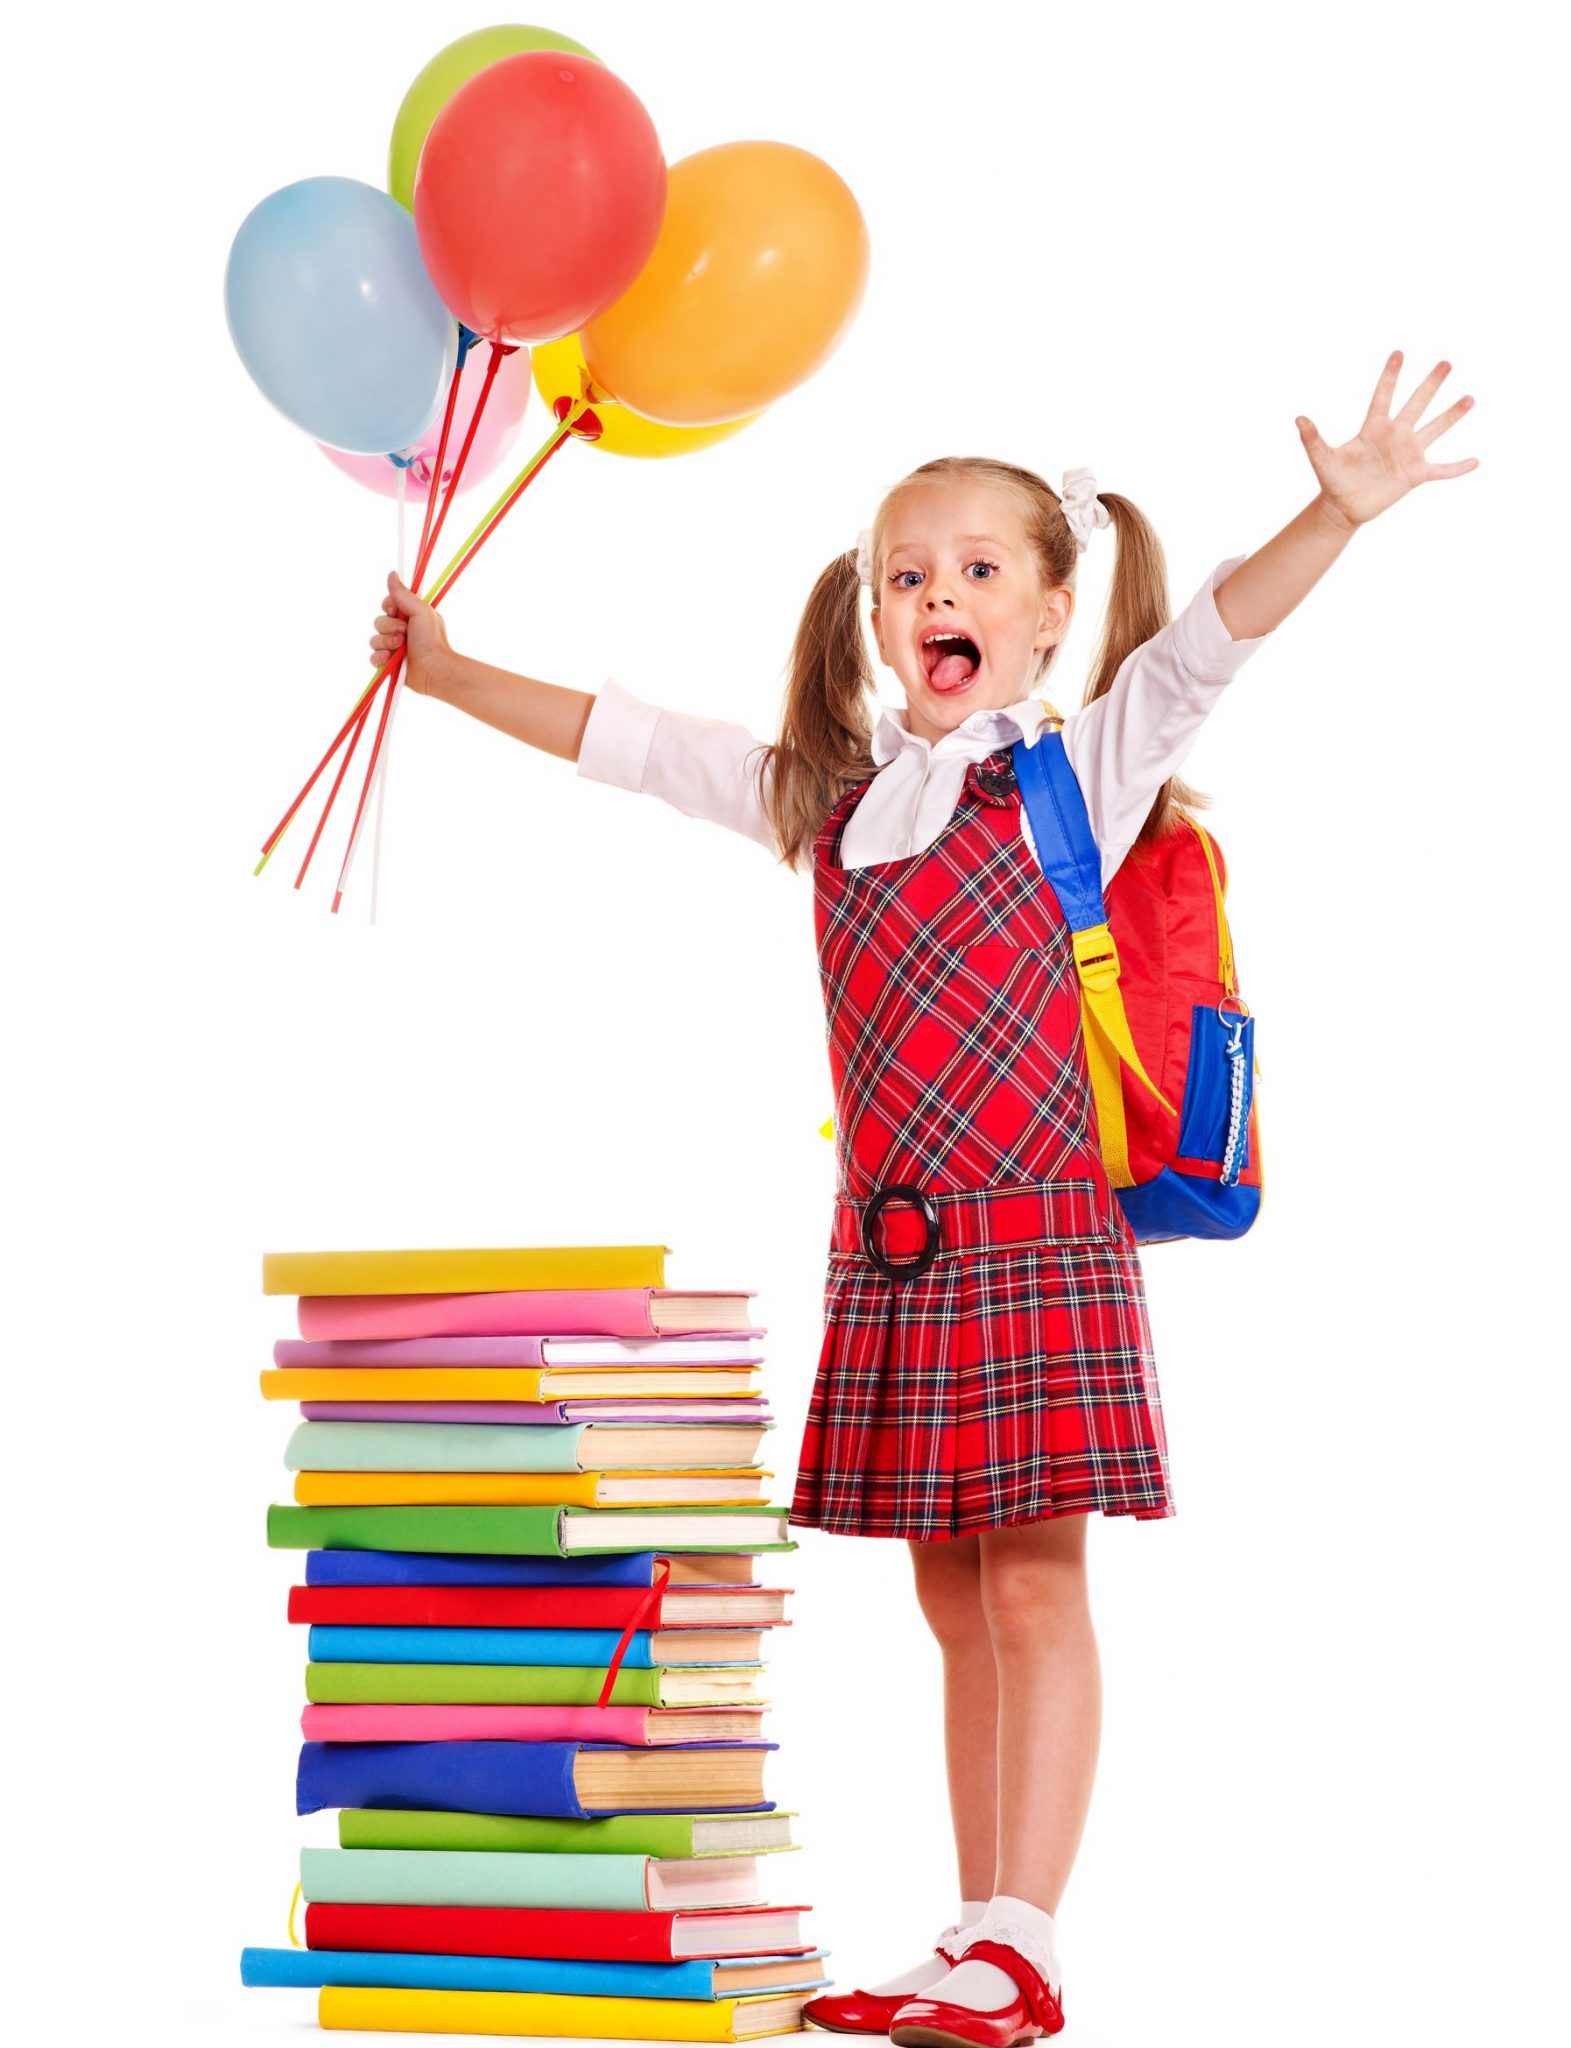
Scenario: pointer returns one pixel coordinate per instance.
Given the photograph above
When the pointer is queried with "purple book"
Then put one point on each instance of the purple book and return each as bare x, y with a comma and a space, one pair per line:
535, 1411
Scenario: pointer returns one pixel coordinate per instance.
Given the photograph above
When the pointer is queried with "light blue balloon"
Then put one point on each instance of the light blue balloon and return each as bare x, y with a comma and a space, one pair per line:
333, 313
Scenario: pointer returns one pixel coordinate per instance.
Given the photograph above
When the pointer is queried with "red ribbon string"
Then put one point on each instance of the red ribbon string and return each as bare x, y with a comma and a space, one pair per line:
648, 1609
429, 536
435, 599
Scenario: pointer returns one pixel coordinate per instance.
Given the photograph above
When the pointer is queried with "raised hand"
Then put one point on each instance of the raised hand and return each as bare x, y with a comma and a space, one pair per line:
1385, 458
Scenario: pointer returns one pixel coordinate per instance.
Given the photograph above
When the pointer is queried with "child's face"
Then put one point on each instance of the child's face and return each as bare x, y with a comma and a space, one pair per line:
956, 561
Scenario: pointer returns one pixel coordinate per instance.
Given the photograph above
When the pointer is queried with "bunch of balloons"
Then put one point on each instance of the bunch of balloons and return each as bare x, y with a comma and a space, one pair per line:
530, 212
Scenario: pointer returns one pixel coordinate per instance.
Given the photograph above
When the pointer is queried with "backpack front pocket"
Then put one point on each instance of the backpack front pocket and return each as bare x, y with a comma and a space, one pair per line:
1218, 1089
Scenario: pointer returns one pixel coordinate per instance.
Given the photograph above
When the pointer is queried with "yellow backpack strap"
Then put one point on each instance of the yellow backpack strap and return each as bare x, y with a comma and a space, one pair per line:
1072, 863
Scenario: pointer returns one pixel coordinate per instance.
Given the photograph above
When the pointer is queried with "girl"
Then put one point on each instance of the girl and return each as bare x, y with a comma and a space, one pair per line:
985, 1381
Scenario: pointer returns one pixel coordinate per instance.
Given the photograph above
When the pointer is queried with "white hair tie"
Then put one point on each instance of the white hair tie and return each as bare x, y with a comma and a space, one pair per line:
1081, 506
864, 555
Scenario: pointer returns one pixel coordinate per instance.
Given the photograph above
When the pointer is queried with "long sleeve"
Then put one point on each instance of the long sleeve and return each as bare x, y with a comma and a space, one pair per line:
1125, 745
704, 767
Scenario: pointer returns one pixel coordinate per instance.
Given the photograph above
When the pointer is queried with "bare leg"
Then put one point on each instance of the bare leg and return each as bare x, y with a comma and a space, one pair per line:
1034, 1595
948, 1575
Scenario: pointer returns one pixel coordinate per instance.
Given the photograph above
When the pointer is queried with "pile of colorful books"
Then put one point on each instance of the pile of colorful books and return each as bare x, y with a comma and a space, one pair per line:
528, 1488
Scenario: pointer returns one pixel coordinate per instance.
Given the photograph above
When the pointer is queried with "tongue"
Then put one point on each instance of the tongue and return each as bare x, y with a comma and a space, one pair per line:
952, 670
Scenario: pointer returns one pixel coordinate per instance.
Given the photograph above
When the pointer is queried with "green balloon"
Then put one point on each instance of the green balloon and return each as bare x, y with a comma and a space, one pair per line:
441, 78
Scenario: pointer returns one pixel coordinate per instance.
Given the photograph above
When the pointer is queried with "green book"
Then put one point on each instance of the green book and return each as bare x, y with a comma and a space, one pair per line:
540, 1531
448, 1877
617, 1834
515, 1685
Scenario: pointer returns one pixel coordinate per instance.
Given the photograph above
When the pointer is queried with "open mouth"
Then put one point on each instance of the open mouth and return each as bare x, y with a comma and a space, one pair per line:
951, 660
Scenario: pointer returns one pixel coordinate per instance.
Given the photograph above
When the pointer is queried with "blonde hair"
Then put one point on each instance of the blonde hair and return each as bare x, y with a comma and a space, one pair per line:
826, 728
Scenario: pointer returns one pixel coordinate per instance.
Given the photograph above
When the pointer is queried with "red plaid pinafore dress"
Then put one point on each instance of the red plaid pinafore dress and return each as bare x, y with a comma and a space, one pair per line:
1009, 1378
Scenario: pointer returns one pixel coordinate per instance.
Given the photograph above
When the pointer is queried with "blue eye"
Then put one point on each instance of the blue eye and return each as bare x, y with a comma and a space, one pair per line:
980, 562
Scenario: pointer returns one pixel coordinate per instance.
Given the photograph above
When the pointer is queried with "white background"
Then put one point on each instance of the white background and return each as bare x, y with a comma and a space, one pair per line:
1142, 239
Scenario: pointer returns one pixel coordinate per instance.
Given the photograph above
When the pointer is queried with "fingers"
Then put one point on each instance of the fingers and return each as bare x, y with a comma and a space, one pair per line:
400, 599
1380, 404
1309, 434
1448, 418
1413, 411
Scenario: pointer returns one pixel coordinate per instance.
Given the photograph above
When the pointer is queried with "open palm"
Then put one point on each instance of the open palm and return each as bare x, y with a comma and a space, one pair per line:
1386, 457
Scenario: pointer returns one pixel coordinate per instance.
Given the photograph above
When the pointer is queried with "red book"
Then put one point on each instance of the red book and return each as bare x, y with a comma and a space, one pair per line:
560, 1932
531, 1606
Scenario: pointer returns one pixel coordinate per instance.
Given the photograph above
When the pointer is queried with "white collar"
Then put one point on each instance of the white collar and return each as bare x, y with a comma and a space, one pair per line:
982, 733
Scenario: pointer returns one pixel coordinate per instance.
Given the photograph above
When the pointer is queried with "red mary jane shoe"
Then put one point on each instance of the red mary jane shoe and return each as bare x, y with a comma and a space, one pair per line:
863, 2012
936, 2023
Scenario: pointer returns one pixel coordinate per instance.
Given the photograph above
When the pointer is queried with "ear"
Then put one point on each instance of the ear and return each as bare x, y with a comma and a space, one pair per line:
1056, 610
878, 635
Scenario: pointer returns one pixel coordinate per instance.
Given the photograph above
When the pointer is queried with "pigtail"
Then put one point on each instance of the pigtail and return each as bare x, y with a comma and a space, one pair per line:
1137, 610
826, 727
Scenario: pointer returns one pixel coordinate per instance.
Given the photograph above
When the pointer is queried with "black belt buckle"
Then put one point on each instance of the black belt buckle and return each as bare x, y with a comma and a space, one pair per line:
901, 1190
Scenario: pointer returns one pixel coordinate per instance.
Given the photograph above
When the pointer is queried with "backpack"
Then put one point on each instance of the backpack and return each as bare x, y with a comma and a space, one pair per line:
1157, 979
1182, 1152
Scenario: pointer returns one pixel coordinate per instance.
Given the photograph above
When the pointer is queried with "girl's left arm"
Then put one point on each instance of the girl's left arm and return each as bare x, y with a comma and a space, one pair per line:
1364, 477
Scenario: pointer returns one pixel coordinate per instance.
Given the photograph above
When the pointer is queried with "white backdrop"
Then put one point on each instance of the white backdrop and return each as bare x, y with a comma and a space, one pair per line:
1141, 239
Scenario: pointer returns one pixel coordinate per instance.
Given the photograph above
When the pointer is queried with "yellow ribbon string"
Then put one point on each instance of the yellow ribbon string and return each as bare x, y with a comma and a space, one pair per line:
294, 1939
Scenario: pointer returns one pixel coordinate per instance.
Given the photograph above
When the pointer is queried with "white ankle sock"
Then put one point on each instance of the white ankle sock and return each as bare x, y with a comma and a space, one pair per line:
983, 1986
913, 1982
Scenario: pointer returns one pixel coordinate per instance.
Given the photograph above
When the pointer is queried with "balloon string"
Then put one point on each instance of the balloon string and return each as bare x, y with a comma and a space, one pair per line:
389, 669
430, 533
381, 787
478, 536
428, 547
441, 456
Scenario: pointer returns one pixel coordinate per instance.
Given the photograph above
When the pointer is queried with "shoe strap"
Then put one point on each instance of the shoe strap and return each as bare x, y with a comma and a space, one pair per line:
1040, 1997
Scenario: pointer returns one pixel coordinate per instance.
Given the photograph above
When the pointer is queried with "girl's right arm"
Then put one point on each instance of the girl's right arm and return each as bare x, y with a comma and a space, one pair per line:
705, 767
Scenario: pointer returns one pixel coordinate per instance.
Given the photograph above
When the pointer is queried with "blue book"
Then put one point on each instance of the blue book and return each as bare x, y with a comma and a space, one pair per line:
312, 1967
335, 1643
480, 1777
423, 1568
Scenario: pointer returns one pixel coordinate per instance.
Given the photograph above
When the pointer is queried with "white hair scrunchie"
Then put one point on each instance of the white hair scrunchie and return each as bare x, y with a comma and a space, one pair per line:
1081, 506
864, 555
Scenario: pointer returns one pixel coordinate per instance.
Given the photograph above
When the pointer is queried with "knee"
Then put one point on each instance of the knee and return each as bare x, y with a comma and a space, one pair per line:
949, 1595
1031, 1600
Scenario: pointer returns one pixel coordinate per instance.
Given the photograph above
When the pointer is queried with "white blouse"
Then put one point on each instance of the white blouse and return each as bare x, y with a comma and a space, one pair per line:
1122, 748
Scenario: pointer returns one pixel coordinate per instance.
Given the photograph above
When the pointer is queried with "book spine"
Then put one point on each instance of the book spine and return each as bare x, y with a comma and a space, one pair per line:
500, 1685
364, 2010
647, 1834
449, 1877
333, 1644
311, 1968
534, 1530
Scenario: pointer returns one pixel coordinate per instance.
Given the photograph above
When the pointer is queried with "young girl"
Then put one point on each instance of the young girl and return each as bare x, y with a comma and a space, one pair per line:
986, 1380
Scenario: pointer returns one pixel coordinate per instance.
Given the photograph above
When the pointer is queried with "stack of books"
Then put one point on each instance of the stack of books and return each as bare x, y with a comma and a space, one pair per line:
529, 1490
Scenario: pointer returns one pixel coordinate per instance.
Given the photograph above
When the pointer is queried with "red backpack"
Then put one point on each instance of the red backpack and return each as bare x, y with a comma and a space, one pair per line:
1159, 1001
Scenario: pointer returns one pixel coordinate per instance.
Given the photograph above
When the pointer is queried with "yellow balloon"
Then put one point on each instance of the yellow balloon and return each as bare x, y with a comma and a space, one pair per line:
559, 366
759, 270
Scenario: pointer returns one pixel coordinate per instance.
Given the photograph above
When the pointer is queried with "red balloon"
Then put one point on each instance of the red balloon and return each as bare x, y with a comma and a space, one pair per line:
539, 196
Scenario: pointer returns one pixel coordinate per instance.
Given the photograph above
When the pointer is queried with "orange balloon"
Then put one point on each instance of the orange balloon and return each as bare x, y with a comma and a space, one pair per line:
759, 269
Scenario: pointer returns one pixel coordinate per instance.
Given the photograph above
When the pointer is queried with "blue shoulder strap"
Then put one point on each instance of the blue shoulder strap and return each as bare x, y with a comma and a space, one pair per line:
1061, 828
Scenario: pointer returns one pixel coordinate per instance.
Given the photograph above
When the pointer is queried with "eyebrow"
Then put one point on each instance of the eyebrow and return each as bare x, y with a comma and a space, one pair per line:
897, 546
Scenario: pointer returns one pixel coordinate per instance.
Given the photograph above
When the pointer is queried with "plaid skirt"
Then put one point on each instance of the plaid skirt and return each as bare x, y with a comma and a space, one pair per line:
1012, 1381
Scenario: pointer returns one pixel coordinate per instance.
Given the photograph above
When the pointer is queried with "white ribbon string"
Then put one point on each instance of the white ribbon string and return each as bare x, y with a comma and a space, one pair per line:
387, 737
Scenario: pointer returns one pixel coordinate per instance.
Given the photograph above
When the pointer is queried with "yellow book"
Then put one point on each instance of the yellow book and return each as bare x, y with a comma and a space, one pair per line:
364, 2008
514, 1489
495, 1270
403, 1383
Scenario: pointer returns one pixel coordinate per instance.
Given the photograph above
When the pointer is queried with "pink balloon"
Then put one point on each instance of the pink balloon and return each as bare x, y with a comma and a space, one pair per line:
499, 425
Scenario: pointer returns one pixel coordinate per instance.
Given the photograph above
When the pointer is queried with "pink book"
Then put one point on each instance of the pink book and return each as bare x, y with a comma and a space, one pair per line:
535, 1312
486, 1724
742, 1409
737, 1347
